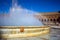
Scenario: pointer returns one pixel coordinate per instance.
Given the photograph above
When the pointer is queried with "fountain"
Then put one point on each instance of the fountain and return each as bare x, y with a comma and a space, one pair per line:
21, 23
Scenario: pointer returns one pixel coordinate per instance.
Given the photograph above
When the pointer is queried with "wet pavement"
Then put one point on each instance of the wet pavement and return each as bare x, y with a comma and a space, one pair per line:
55, 34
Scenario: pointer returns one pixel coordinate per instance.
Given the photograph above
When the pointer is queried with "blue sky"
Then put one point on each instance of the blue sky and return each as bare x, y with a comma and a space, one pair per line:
34, 5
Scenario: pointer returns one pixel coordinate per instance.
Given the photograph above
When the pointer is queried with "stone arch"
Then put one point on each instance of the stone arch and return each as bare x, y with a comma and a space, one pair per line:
48, 20
51, 19
42, 19
54, 19
58, 19
45, 20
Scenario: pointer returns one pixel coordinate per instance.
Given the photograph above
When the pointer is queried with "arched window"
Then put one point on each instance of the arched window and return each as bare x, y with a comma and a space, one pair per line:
54, 20
50, 19
42, 19
45, 20
58, 20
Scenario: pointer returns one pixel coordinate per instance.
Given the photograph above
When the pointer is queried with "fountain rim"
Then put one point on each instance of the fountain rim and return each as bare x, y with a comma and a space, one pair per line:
17, 27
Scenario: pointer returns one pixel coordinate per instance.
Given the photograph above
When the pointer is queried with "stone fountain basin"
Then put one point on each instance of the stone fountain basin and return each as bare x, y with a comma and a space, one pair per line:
15, 32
